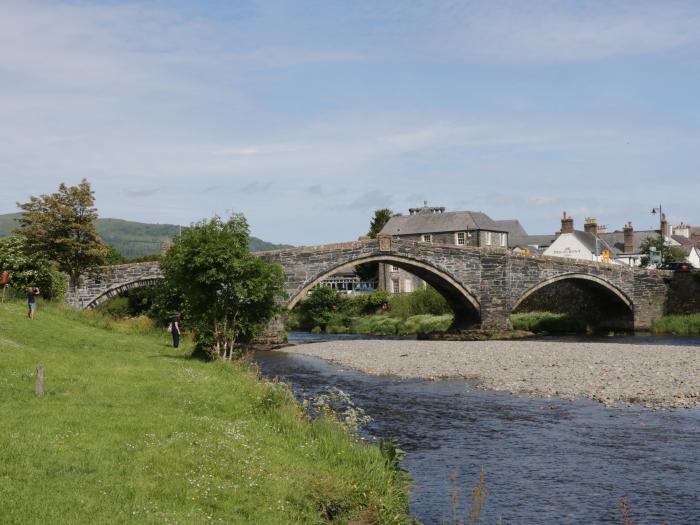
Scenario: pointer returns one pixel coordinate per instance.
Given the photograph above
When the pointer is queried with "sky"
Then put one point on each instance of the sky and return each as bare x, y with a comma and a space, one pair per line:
308, 115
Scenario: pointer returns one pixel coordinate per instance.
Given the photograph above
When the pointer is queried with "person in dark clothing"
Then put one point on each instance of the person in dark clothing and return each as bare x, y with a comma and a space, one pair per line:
32, 292
175, 330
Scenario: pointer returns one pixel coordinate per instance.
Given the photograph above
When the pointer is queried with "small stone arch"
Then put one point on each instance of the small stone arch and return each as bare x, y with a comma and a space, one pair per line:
464, 303
121, 288
580, 276
592, 299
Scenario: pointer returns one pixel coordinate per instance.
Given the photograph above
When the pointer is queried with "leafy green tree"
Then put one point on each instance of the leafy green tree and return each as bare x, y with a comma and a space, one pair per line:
668, 253
61, 227
381, 217
229, 295
319, 307
30, 269
114, 257
369, 271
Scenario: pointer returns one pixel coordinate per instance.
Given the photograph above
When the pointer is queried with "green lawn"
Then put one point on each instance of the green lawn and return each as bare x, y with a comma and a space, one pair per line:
131, 431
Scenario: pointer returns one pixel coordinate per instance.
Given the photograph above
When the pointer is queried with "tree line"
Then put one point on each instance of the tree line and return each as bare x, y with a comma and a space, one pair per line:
225, 294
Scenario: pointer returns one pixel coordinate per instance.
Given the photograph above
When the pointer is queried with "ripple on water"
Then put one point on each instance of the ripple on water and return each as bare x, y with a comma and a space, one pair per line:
548, 461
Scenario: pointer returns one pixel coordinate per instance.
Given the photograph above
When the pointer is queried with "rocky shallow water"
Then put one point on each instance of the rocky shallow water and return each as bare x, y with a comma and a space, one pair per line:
613, 373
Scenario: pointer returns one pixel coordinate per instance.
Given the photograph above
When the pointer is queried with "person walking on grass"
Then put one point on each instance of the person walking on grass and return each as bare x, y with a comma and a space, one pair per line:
32, 292
175, 330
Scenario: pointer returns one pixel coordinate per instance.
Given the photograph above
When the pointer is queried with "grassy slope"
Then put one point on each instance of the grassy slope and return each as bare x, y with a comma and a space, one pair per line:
131, 432
134, 239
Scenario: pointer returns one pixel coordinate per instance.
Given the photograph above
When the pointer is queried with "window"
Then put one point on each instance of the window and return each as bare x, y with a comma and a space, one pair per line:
427, 238
461, 238
395, 287
394, 268
504, 238
487, 239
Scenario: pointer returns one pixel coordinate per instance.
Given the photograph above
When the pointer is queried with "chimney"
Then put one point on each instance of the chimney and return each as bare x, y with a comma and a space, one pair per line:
567, 224
628, 232
683, 229
665, 228
590, 226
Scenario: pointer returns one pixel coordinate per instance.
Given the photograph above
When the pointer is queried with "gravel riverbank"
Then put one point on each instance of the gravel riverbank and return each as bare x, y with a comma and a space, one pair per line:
657, 376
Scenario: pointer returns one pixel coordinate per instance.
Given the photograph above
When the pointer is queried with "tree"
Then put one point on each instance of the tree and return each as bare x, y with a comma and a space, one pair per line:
29, 269
61, 227
228, 294
381, 217
319, 307
369, 271
667, 252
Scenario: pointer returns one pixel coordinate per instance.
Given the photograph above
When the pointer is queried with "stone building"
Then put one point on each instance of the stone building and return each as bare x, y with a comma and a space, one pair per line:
435, 225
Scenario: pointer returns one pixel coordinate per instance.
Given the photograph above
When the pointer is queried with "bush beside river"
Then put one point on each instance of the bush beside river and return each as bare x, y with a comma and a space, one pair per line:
677, 325
131, 430
420, 312
378, 313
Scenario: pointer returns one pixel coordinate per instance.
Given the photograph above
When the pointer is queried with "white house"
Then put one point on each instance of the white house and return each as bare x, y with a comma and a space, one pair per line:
582, 246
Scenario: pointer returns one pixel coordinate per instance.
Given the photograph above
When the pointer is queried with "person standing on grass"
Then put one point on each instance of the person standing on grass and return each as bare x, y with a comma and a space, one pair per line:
32, 292
175, 330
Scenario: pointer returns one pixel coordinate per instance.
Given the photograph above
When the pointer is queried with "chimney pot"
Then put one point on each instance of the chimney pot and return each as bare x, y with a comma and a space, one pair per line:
567, 224
628, 232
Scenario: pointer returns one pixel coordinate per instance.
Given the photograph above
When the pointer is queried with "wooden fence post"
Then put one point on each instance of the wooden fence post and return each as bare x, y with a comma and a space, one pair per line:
39, 389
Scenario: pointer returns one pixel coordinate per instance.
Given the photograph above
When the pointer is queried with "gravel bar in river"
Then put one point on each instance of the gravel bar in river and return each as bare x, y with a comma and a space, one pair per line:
657, 376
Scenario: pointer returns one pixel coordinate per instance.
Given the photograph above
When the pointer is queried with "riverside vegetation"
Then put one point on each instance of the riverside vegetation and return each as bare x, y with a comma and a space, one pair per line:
326, 310
132, 431
421, 312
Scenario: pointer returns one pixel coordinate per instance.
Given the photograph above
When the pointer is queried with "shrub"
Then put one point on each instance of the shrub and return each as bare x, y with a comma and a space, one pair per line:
677, 325
427, 301
30, 270
548, 322
425, 324
115, 307
319, 307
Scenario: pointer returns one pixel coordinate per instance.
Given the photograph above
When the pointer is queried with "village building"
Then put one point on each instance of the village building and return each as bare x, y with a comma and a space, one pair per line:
436, 226
624, 246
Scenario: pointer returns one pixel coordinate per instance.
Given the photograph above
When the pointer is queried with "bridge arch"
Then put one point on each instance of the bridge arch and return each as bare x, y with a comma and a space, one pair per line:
120, 288
463, 302
601, 303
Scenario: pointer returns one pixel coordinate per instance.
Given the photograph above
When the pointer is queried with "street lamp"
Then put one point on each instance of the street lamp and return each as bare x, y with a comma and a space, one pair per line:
661, 230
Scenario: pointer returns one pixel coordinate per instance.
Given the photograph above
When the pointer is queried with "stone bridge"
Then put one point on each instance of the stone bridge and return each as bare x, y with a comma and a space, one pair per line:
483, 286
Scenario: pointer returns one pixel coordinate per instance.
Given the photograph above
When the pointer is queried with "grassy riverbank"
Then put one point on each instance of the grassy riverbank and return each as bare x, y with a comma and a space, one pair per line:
131, 431
548, 322
387, 325
677, 325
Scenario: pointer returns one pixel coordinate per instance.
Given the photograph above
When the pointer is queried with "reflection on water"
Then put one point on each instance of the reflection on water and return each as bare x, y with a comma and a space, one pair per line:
547, 461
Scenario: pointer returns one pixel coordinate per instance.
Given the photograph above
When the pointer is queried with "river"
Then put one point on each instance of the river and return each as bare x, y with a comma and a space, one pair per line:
547, 461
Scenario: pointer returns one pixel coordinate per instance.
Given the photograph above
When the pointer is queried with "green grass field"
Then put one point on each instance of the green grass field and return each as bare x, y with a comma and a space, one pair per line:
132, 431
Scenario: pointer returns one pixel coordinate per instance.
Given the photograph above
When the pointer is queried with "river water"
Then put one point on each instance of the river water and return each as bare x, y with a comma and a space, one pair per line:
547, 461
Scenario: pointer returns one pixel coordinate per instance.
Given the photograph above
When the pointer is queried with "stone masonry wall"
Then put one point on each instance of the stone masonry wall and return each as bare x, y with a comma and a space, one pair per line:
489, 281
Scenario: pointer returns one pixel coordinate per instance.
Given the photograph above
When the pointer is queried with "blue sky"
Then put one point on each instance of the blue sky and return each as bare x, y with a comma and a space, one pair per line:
307, 116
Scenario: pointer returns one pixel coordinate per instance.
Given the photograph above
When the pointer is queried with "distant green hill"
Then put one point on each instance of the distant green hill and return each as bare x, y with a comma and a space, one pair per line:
134, 239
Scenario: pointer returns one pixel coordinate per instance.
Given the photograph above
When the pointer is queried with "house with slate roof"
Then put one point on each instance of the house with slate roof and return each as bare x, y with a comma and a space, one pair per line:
460, 228
624, 246
435, 225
